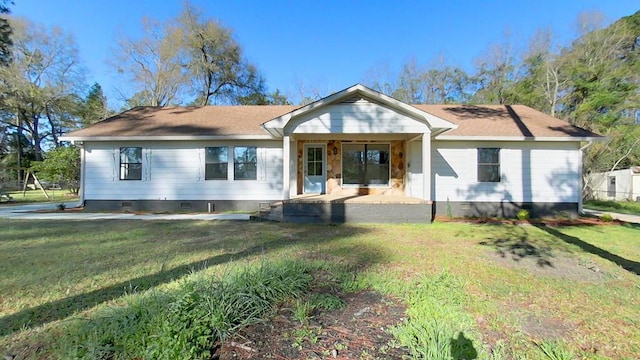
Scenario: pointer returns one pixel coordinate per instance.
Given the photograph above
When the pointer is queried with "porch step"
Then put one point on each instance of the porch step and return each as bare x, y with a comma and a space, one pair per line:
269, 212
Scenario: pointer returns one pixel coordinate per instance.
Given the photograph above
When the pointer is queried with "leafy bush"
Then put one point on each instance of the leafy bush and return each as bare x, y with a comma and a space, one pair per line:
185, 322
61, 165
606, 217
523, 214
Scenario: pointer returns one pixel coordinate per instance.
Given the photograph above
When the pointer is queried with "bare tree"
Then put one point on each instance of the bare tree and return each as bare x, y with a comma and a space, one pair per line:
379, 77
445, 83
307, 92
411, 83
152, 65
188, 58
214, 60
437, 83
496, 72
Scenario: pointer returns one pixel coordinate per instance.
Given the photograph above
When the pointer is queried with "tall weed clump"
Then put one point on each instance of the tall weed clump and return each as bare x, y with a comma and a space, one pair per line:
436, 324
185, 321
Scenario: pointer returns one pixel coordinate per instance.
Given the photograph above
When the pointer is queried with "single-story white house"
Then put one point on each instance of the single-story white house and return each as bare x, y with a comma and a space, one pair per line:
355, 155
623, 184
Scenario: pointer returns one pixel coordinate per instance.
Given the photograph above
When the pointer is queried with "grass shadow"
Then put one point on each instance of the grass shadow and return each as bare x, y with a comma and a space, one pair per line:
629, 265
518, 245
462, 348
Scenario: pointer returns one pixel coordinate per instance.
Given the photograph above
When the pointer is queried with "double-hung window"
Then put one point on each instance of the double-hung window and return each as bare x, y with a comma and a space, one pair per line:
216, 163
130, 163
488, 165
245, 163
365, 164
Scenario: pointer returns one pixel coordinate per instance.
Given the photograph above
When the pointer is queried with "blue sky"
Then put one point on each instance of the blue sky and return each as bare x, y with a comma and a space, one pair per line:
326, 45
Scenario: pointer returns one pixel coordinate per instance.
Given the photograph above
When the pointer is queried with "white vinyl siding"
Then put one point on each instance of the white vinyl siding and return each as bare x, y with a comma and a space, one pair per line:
176, 171
529, 172
414, 170
365, 118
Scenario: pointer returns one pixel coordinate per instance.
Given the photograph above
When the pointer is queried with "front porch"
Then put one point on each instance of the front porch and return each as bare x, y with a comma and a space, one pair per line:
365, 156
344, 208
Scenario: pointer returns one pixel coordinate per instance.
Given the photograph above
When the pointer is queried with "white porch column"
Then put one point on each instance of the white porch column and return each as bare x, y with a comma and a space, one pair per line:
426, 166
286, 167
293, 166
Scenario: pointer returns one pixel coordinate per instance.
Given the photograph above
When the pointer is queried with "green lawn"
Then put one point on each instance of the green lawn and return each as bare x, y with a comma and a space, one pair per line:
623, 207
33, 196
514, 291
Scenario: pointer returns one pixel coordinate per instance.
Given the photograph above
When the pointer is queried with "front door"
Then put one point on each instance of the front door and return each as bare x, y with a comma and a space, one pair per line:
314, 169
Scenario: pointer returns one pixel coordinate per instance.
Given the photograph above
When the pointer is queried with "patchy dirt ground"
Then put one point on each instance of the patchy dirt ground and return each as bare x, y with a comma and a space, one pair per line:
359, 330
551, 264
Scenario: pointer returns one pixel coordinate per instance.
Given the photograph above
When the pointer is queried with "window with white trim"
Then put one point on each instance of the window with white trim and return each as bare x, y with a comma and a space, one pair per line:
245, 163
488, 164
216, 160
365, 164
130, 163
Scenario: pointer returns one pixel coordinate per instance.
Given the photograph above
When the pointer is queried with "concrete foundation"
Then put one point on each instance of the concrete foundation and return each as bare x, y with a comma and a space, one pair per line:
504, 209
201, 206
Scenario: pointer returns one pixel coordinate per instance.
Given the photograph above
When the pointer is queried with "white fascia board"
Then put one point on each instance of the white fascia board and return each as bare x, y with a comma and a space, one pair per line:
438, 123
519, 138
276, 132
165, 138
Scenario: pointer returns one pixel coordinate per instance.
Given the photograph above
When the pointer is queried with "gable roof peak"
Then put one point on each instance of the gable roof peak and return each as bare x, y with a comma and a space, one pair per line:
277, 125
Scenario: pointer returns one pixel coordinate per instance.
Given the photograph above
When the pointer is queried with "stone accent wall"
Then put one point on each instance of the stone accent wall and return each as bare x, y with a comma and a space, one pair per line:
398, 170
334, 170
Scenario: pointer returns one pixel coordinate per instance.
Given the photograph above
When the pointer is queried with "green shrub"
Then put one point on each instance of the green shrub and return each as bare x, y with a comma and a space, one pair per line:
606, 217
523, 214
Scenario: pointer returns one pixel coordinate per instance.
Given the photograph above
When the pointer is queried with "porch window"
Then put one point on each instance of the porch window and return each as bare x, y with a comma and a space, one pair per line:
130, 163
245, 163
365, 164
488, 165
216, 163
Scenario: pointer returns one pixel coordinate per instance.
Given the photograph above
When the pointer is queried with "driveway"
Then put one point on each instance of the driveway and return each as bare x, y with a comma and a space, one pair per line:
29, 211
635, 219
